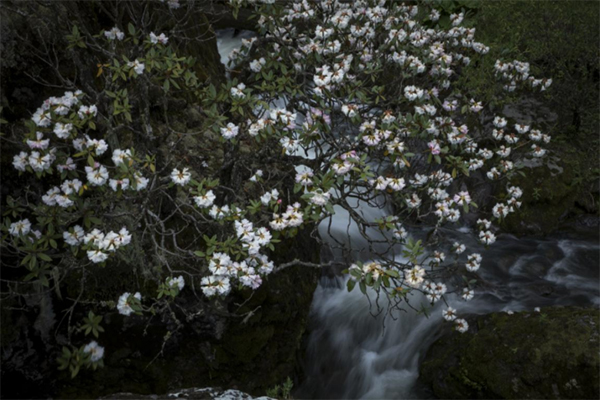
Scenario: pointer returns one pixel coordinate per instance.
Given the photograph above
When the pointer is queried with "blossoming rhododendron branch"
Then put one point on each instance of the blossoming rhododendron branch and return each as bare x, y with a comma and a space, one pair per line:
350, 103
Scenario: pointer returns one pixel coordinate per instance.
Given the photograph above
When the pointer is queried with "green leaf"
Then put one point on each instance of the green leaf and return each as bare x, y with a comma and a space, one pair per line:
44, 281
44, 257
351, 284
363, 287
392, 273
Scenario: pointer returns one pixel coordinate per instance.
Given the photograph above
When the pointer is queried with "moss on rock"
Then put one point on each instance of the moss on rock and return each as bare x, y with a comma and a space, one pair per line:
552, 354
555, 194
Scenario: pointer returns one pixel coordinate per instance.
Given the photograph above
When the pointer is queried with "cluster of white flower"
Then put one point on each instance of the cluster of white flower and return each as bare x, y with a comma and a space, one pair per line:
54, 110
269, 197
257, 65
215, 284
446, 208
501, 210
55, 197
284, 117
37, 161
59, 106
96, 175
342, 41
162, 39
382, 183
87, 111
299, 10
374, 269
325, 78
254, 128
248, 272
291, 218
474, 262
305, 178
114, 33
346, 163
319, 198
434, 291
289, 145
217, 212
517, 71
99, 245
252, 239
415, 50
413, 93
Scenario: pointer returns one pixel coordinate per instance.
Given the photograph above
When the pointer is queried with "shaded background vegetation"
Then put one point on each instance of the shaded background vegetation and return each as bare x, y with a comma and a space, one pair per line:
561, 40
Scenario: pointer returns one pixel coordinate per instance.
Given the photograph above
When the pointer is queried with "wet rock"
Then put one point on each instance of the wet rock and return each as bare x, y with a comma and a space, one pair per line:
530, 110
191, 393
551, 354
542, 289
586, 221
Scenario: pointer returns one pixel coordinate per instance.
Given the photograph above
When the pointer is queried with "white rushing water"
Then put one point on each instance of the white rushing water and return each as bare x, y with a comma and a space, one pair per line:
354, 354
229, 40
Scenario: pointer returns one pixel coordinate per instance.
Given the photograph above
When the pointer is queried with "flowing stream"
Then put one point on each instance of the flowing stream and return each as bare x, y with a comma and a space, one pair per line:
353, 352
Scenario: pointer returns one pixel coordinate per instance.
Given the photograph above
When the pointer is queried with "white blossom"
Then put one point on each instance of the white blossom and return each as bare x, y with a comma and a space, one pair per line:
95, 350
124, 303
182, 177
20, 228
178, 282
